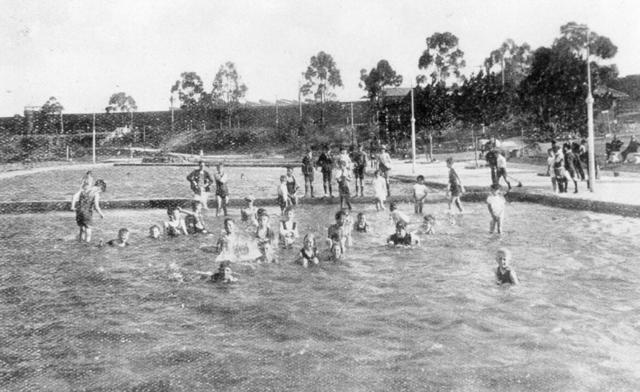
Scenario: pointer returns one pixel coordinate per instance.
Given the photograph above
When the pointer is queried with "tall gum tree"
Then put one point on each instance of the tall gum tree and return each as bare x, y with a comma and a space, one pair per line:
322, 77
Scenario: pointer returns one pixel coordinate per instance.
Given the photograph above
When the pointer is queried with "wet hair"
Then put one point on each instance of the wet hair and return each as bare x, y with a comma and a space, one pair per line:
289, 168
201, 163
339, 214
429, 218
194, 204
171, 208
495, 187
335, 237
420, 178
449, 161
283, 178
505, 252
393, 206
102, 185
401, 225
360, 215
261, 211
154, 227
227, 220
223, 265
123, 231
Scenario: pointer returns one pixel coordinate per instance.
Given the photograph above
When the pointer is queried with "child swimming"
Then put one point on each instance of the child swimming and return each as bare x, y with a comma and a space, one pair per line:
336, 247
175, 225
496, 204
86, 202
401, 237
361, 225
288, 229
154, 232
122, 240
504, 273
309, 252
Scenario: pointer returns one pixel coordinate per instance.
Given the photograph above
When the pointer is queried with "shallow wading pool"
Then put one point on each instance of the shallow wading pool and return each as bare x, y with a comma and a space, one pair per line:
77, 317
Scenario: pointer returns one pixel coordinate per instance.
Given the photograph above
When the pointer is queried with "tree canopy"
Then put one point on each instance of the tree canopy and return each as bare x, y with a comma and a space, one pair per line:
322, 76
190, 90
373, 82
121, 102
442, 59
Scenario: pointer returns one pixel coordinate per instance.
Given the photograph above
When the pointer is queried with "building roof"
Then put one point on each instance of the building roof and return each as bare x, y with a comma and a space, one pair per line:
608, 90
396, 92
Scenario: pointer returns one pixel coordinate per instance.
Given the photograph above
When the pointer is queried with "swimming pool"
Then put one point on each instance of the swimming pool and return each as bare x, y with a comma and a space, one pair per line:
75, 317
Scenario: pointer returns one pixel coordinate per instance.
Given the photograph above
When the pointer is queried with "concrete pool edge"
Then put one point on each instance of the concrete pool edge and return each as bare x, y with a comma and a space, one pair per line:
474, 194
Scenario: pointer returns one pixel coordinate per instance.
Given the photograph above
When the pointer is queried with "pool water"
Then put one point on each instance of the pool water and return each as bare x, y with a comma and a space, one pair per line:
82, 318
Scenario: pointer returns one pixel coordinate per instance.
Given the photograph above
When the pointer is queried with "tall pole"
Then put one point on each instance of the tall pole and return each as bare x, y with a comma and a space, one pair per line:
353, 129
61, 123
300, 98
276, 112
413, 135
590, 136
94, 139
475, 146
171, 100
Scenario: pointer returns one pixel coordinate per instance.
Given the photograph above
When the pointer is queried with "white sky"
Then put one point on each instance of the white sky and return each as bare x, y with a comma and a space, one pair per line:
82, 51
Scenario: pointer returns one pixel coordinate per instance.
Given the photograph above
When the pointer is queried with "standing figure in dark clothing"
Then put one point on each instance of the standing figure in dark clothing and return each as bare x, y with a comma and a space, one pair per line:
359, 159
569, 165
308, 166
325, 161
492, 160
575, 147
200, 181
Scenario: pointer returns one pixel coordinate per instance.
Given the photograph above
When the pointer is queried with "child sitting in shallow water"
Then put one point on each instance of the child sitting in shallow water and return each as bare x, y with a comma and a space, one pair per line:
194, 221
504, 273
224, 274
309, 252
248, 214
361, 225
429, 223
122, 240
265, 237
288, 229
401, 237
175, 225
336, 249
337, 231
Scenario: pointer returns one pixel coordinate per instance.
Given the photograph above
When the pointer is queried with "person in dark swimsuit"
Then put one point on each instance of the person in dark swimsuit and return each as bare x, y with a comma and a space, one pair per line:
401, 237
200, 182
325, 161
504, 273
309, 252
222, 191
359, 159
308, 167
88, 200
224, 274
361, 225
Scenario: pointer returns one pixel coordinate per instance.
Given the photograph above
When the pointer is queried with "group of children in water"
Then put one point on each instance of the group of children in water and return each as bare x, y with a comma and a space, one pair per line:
262, 248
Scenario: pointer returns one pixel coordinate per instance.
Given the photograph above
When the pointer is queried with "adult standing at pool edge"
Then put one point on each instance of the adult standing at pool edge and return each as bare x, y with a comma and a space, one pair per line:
200, 181
384, 165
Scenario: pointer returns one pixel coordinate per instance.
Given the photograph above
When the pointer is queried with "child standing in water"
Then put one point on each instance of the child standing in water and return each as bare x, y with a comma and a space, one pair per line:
87, 201
248, 214
420, 191
496, 204
292, 186
380, 190
361, 224
456, 189
283, 195
265, 237
336, 231
504, 273
397, 215
288, 229
343, 177
175, 225
309, 252
194, 221
222, 191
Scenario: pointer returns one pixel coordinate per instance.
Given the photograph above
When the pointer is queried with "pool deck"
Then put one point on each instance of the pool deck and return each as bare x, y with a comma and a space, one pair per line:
618, 195
613, 194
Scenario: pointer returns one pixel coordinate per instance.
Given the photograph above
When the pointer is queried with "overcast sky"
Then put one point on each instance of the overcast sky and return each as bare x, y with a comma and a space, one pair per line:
83, 51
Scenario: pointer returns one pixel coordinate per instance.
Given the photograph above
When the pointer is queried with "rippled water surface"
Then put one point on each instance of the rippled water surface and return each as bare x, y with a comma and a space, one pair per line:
82, 318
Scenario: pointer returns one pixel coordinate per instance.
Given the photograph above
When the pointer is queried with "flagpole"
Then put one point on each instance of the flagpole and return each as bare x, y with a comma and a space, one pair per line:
413, 135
